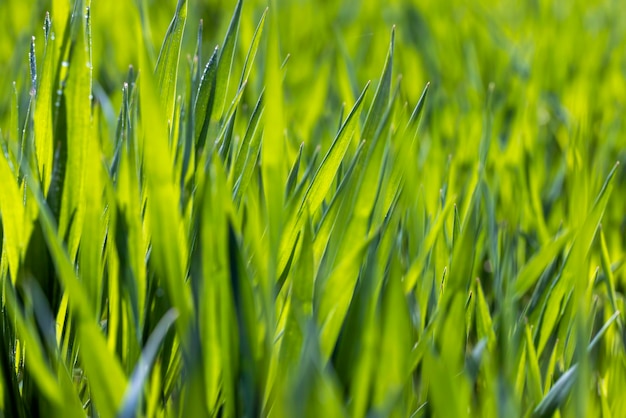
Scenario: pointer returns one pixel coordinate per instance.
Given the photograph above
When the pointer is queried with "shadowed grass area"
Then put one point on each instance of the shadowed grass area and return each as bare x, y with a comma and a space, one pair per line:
304, 208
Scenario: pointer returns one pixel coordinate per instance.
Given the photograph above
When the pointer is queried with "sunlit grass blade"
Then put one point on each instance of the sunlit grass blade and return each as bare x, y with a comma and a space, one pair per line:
78, 101
332, 300
224, 67
43, 109
252, 52
533, 374
301, 303
323, 178
248, 154
166, 71
561, 389
381, 97
12, 213
94, 353
419, 108
163, 201
205, 99
293, 173
272, 172
395, 344
530, 272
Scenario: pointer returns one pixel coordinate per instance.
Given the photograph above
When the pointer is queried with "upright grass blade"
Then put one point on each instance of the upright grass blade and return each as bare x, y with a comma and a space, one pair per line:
224, 68
381, 98
272, 171
395, 344
78, 102
205, 99
301, 303
43, 109
166, 71
12, 216
248, 154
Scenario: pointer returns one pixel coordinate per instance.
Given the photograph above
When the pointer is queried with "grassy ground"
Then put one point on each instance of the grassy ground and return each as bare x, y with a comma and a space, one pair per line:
403, 208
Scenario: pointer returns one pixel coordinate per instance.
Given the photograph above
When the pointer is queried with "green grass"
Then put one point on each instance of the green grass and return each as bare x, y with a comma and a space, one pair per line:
310, 208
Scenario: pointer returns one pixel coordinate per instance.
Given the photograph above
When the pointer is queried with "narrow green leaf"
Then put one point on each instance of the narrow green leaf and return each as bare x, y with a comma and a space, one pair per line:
78, 101
381, 98
334, 298
325, 174
559, 392
254, 46
484, 324
301, 303
204, 100
43, 111
224, 67
533, 374
293, 173
37, 363
163, 199
395, 343
167, 64
419, 108
531, 271
248, 154
12, 214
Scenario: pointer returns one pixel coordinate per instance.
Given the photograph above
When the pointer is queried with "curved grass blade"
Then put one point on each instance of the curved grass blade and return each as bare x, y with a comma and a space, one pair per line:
37, 364
142, 369
557, 396
292, 178
531, 271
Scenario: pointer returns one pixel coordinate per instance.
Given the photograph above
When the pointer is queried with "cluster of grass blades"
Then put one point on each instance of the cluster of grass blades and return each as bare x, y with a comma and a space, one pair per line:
207, 241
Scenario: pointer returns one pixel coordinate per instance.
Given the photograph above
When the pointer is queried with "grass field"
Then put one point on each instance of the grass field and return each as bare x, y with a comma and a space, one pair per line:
405, 208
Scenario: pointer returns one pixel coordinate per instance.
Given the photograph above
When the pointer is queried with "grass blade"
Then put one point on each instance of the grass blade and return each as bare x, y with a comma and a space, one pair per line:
167, 64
